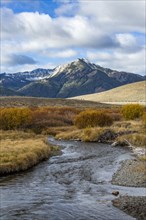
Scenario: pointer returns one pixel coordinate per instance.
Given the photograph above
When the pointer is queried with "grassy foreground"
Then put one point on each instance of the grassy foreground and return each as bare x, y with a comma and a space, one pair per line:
20, 151
132, 131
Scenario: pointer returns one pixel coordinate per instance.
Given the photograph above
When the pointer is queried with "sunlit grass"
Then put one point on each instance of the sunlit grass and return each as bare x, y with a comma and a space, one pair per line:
20, 152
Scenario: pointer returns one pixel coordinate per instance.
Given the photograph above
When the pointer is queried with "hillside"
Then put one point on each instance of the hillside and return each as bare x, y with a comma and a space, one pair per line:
135, 92
8, 92
79, 77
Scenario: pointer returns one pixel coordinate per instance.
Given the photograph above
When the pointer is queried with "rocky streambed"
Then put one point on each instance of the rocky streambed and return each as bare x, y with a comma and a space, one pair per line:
76, 185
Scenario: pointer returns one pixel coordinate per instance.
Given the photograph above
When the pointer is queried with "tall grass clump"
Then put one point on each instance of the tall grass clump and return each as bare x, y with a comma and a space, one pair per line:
92, 118
132, 111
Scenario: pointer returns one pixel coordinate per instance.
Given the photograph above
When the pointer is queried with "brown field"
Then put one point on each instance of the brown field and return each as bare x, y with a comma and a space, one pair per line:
19, 101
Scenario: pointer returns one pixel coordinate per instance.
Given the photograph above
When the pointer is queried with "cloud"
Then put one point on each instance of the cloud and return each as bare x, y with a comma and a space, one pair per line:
130, 62
14, 59
61, 53
115, 16
34, 31
67, 8
128, 43
108, 28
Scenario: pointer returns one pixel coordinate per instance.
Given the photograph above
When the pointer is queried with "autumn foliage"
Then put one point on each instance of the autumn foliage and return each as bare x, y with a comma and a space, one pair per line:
93, 118
36, 119
13, 118
132, 111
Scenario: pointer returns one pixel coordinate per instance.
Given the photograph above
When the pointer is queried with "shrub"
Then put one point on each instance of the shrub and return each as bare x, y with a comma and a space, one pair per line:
13, 118
132, 111
92, 118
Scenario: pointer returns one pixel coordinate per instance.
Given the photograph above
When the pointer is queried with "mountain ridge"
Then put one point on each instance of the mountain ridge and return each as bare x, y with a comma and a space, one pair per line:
78, 77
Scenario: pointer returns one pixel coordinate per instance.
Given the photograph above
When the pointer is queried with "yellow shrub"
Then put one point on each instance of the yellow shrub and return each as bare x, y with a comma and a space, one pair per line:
92, 118
132, 111
13, 118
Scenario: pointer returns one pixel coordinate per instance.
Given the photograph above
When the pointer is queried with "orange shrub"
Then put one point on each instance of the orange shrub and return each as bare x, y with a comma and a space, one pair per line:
92, 118
13, 118
132, 111
36, 119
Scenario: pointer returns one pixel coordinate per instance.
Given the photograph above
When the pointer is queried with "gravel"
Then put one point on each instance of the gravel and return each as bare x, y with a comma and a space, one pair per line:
134, 206
131, 173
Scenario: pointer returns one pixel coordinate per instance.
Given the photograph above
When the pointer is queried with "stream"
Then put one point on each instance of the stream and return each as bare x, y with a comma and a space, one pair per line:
75, 185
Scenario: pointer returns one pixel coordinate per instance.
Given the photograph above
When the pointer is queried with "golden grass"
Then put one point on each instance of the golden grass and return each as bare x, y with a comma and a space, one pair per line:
131, 93
15, 135
136, 140
23, 152
137, 137
75, 134
53, 131
130, 125
87, 134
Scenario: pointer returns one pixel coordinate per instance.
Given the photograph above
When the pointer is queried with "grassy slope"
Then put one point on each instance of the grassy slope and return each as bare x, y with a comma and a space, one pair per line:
134, 92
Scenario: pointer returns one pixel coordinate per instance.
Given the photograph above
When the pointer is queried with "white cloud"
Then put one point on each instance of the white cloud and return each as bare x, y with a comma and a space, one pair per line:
107, 27
67, 8
116, 15
128, 43
130, 62
61, 53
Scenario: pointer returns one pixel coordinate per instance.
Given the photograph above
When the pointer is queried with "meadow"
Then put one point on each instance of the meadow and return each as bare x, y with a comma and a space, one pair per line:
24, 130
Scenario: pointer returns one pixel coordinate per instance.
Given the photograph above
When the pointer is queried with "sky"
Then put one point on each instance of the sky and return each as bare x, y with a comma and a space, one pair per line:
48, 33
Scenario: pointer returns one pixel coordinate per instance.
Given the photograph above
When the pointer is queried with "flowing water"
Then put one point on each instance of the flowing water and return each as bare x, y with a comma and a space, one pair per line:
72, 186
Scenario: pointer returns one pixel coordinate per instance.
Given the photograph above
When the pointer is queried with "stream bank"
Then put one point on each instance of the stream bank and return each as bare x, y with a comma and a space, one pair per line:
75, 185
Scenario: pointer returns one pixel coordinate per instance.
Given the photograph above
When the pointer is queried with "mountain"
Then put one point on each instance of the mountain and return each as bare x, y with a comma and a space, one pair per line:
20, 79
8, 92
79, 77
134, 92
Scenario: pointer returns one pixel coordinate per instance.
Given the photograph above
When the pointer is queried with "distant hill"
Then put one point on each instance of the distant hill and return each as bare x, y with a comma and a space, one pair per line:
134, 92
79, 77
8, 92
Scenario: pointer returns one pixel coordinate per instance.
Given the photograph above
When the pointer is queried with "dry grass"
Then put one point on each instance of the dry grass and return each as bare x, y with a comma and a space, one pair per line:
15, 135
19, 101
53, 131
128, 125
75, 134
136, 140
20, 151
131, 93
137, 136
87, 134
